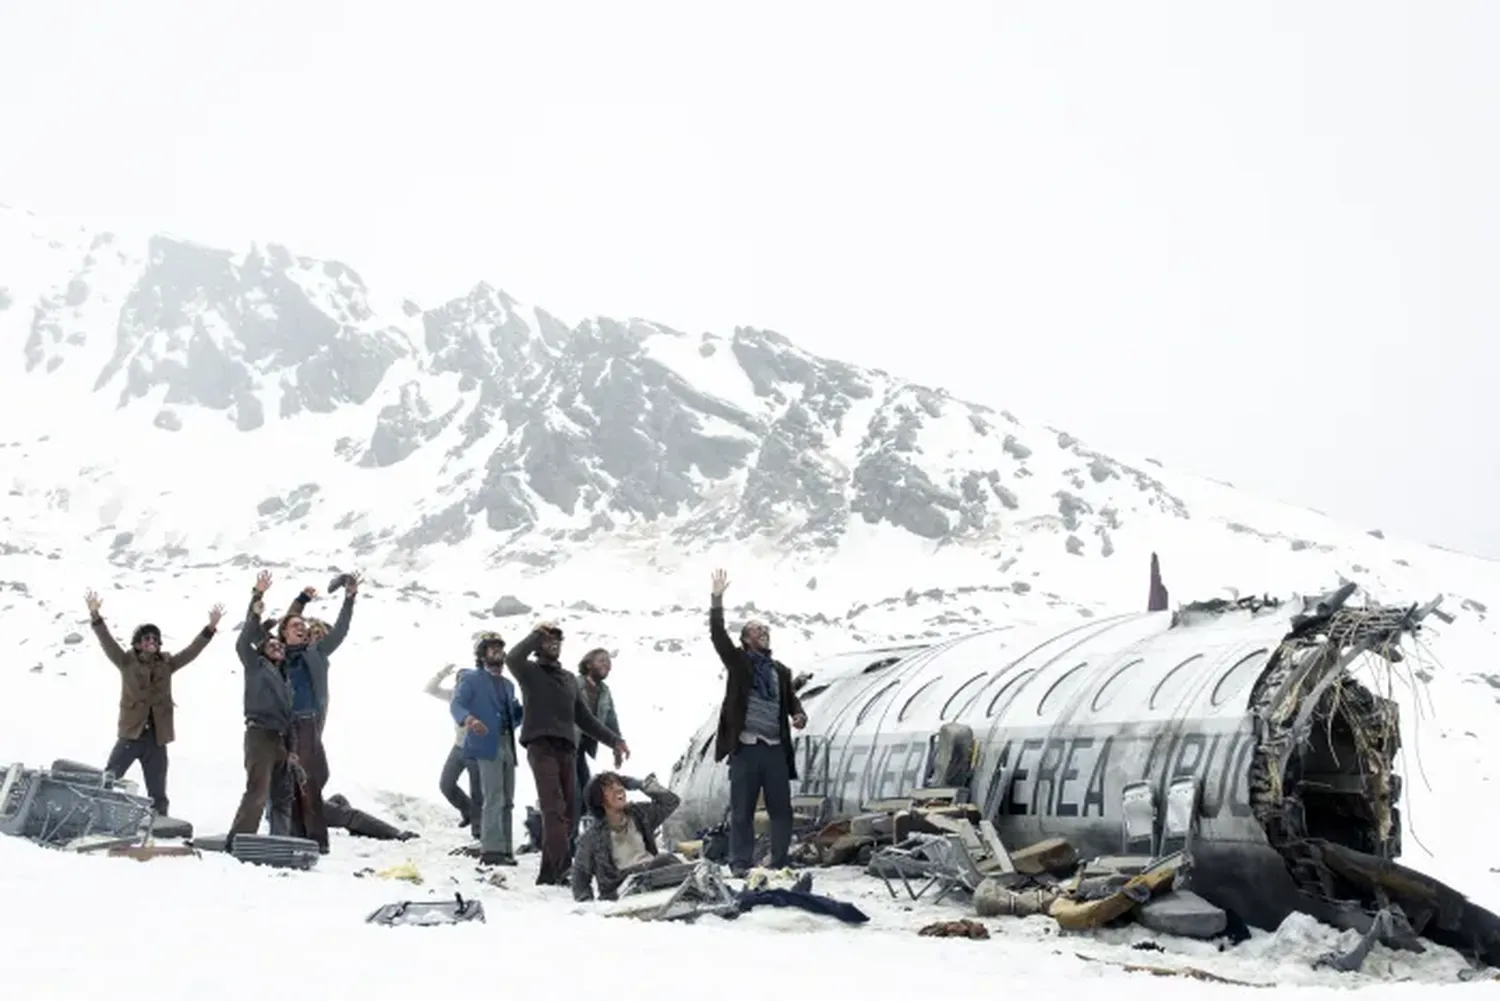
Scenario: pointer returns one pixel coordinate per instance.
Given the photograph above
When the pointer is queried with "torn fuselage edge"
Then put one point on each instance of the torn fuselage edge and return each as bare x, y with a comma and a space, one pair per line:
1324, 786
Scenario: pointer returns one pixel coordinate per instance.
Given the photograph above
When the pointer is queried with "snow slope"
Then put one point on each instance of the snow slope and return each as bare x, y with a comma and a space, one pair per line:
97, 489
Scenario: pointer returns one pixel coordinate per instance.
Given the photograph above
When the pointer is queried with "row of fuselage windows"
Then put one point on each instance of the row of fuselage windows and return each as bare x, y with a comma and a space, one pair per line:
963, 698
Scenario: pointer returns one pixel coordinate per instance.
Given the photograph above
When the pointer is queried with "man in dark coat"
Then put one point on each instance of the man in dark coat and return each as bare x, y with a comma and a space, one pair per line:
754, 733
555, 714
146, 724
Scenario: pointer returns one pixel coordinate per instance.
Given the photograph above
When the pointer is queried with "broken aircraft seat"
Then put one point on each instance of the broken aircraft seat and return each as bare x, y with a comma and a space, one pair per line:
1138, 826
951, 761
277, 851
1180, 825
428, 912
57, 808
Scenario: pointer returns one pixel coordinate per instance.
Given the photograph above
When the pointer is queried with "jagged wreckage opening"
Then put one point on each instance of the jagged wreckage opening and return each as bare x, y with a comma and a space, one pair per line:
1323, 784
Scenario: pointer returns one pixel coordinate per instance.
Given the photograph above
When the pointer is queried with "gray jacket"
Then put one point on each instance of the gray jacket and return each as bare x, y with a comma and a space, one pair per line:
268, 694
604, 711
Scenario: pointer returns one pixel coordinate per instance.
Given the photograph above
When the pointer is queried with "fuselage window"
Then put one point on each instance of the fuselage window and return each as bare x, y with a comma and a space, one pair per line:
1112, 685
870, 706
1172, 685
953, 702
1061, 690
1010, 688
1237, 677
906, 708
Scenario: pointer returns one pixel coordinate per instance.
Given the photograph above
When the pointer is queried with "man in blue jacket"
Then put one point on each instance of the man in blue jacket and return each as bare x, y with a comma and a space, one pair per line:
485, 704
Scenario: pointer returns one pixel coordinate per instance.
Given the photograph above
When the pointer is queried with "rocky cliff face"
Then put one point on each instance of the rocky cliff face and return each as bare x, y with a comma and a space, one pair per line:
558, 433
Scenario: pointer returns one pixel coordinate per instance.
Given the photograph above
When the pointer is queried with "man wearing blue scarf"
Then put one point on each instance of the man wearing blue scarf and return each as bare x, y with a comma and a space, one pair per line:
760, 709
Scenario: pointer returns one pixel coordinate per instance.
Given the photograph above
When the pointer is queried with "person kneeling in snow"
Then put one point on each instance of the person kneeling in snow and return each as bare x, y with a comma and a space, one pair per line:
622, 839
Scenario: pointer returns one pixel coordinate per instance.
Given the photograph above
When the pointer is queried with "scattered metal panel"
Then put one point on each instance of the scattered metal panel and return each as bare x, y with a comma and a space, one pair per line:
1244, 671
1112, 684
1057, 691
947, 712
1173, 678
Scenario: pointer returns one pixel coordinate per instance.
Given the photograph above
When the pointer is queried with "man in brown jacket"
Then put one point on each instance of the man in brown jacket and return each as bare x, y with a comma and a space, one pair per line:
146, 725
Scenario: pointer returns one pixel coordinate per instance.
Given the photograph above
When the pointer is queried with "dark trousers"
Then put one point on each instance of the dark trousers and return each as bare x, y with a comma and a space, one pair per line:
153, 759
469, 806
555, 771
265, 753
308, 781
580, 783
753, 769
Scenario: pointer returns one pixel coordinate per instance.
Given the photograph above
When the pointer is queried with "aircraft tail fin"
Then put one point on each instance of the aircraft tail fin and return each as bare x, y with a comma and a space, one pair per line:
1156, 601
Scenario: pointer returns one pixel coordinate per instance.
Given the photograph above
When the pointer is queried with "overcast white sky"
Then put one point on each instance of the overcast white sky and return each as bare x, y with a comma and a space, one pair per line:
1248, 239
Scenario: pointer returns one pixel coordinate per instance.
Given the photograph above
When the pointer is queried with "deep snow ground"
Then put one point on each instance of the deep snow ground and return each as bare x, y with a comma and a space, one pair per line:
195, 927
213, 927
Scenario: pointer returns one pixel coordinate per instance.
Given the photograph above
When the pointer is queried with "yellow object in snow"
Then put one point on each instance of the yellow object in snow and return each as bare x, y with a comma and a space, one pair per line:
406, 871
760, 878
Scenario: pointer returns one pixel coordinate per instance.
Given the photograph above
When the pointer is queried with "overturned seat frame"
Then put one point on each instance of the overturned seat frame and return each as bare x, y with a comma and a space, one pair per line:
943, 860
699, 889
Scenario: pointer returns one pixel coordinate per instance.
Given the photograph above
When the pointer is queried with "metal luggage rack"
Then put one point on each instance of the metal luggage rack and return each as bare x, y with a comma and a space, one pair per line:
55, 808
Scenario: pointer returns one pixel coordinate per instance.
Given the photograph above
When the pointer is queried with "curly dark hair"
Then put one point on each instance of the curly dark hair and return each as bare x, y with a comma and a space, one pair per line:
594, 794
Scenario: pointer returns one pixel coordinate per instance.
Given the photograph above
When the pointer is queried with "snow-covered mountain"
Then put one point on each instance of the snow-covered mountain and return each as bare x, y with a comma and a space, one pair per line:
176, 415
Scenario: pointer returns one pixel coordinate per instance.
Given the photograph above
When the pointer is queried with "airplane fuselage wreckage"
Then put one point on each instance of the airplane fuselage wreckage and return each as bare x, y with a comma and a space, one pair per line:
1235, 732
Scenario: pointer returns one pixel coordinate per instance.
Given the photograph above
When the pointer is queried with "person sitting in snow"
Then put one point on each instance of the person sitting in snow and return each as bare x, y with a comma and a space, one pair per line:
145, 724
622, 839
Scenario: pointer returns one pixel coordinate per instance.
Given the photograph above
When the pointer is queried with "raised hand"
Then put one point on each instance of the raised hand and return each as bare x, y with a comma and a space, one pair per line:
351, 586
309, 593
720, 583
93, 601
263, 582
214, 615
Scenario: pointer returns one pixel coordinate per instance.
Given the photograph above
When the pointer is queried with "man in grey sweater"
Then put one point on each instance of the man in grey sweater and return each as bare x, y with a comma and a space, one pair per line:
756, 719
555, 713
